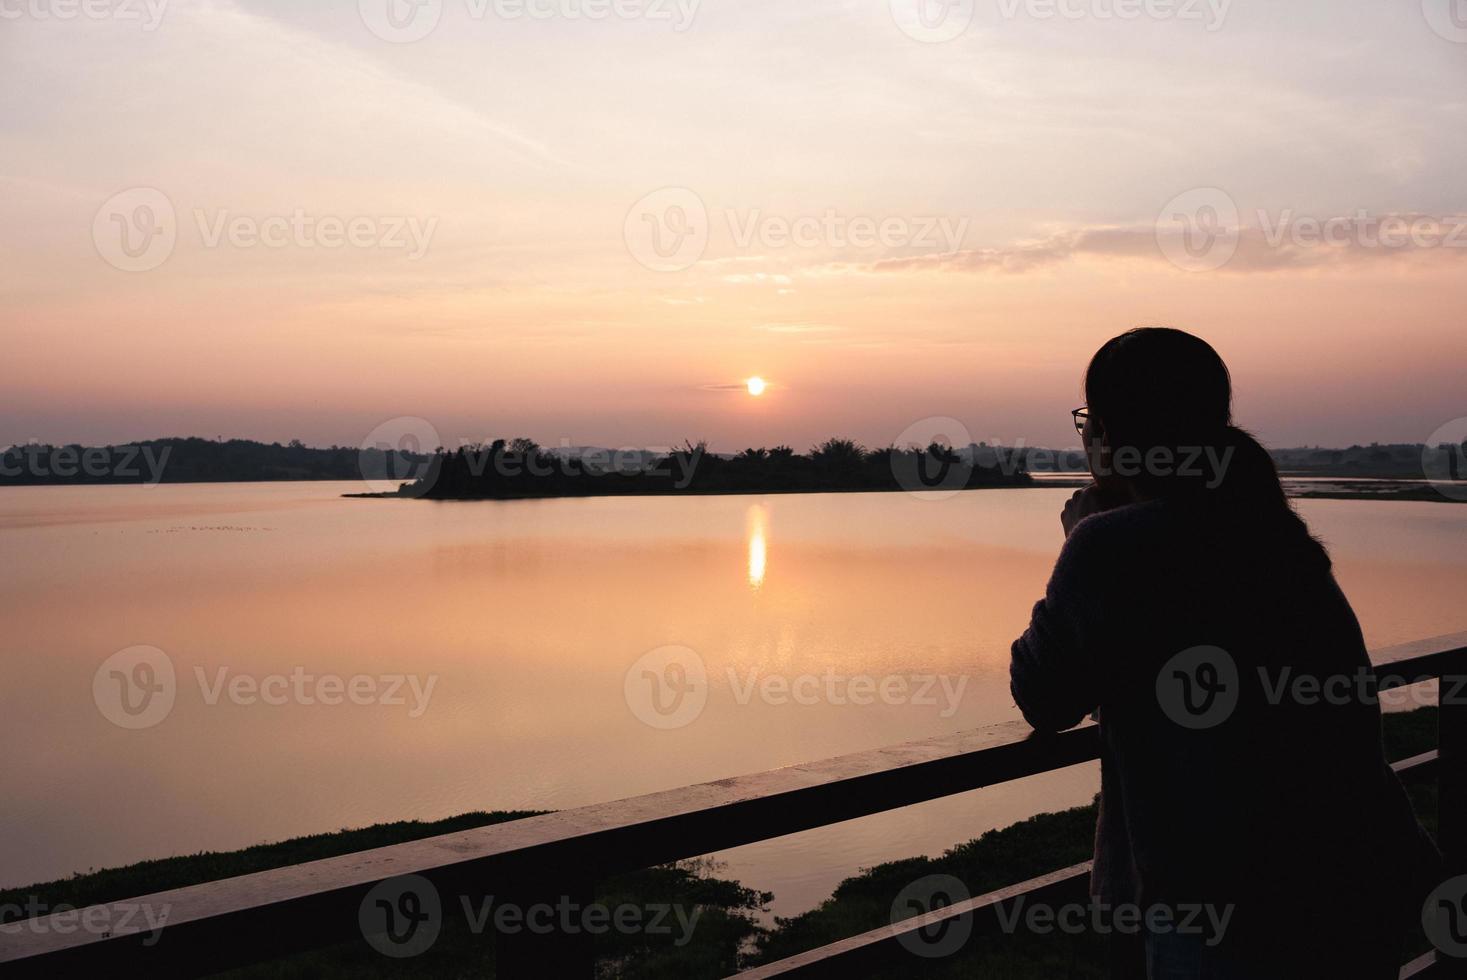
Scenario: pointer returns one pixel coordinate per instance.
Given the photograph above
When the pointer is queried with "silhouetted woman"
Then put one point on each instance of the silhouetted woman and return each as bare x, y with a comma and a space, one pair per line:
1246, 806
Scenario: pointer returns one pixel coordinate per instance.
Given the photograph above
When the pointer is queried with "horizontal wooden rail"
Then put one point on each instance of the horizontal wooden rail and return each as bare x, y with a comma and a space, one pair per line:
892, 944
901, 943
309, 905
256, 917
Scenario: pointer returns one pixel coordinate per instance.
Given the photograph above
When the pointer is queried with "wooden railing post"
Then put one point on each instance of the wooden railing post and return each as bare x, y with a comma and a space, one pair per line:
1452, 767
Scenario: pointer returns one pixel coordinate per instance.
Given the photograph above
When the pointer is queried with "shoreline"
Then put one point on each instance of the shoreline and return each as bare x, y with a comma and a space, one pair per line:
1347, 488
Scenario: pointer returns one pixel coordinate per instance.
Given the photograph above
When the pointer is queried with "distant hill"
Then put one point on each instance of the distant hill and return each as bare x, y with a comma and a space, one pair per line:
197, 461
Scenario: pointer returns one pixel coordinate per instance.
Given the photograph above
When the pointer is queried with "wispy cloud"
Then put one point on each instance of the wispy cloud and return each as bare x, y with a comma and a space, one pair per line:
1287, 244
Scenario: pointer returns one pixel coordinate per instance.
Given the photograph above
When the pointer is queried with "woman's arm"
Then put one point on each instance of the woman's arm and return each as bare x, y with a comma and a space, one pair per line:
1054, 670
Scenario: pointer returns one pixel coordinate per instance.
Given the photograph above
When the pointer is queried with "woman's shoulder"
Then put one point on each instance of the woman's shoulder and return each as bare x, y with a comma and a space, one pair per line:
1129, 521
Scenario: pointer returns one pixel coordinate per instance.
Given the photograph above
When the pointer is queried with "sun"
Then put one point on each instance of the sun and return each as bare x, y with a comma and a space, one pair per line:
756, 386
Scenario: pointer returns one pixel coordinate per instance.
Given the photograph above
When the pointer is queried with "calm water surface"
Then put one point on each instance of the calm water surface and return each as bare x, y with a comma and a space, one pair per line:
527, 617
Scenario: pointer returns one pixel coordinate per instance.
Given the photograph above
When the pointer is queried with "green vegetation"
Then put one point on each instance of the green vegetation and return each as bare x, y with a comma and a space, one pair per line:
728, 934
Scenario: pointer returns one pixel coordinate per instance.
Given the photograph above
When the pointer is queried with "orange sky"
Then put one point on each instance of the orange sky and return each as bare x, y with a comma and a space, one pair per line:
1022, 177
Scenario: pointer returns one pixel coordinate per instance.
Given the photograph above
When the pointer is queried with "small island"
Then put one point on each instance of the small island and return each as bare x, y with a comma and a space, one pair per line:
520, 469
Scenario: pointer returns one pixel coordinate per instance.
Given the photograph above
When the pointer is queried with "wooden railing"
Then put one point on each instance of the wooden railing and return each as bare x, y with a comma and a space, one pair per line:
560, 856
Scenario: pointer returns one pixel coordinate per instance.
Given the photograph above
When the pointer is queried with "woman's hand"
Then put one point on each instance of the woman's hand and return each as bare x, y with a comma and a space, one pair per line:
1082, 504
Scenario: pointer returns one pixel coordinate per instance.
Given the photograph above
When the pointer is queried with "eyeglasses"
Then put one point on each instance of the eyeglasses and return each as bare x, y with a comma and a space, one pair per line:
1080, 416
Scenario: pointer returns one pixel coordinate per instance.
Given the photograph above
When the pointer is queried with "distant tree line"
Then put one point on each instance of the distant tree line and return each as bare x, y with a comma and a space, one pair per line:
197, 461
520, 468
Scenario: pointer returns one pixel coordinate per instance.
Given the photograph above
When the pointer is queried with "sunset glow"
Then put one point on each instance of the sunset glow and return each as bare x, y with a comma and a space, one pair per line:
755, 386
367, 230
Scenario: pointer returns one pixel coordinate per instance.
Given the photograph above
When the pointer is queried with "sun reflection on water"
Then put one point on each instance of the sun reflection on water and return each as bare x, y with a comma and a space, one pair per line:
757, 521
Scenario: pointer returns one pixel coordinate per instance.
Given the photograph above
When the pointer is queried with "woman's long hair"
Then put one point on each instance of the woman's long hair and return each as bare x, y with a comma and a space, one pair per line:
1164, 394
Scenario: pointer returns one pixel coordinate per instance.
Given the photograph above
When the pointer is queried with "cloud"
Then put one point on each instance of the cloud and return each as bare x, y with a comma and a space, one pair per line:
1277, 243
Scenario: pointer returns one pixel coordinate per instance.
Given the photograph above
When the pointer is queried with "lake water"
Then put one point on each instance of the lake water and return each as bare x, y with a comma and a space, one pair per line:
532, 621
